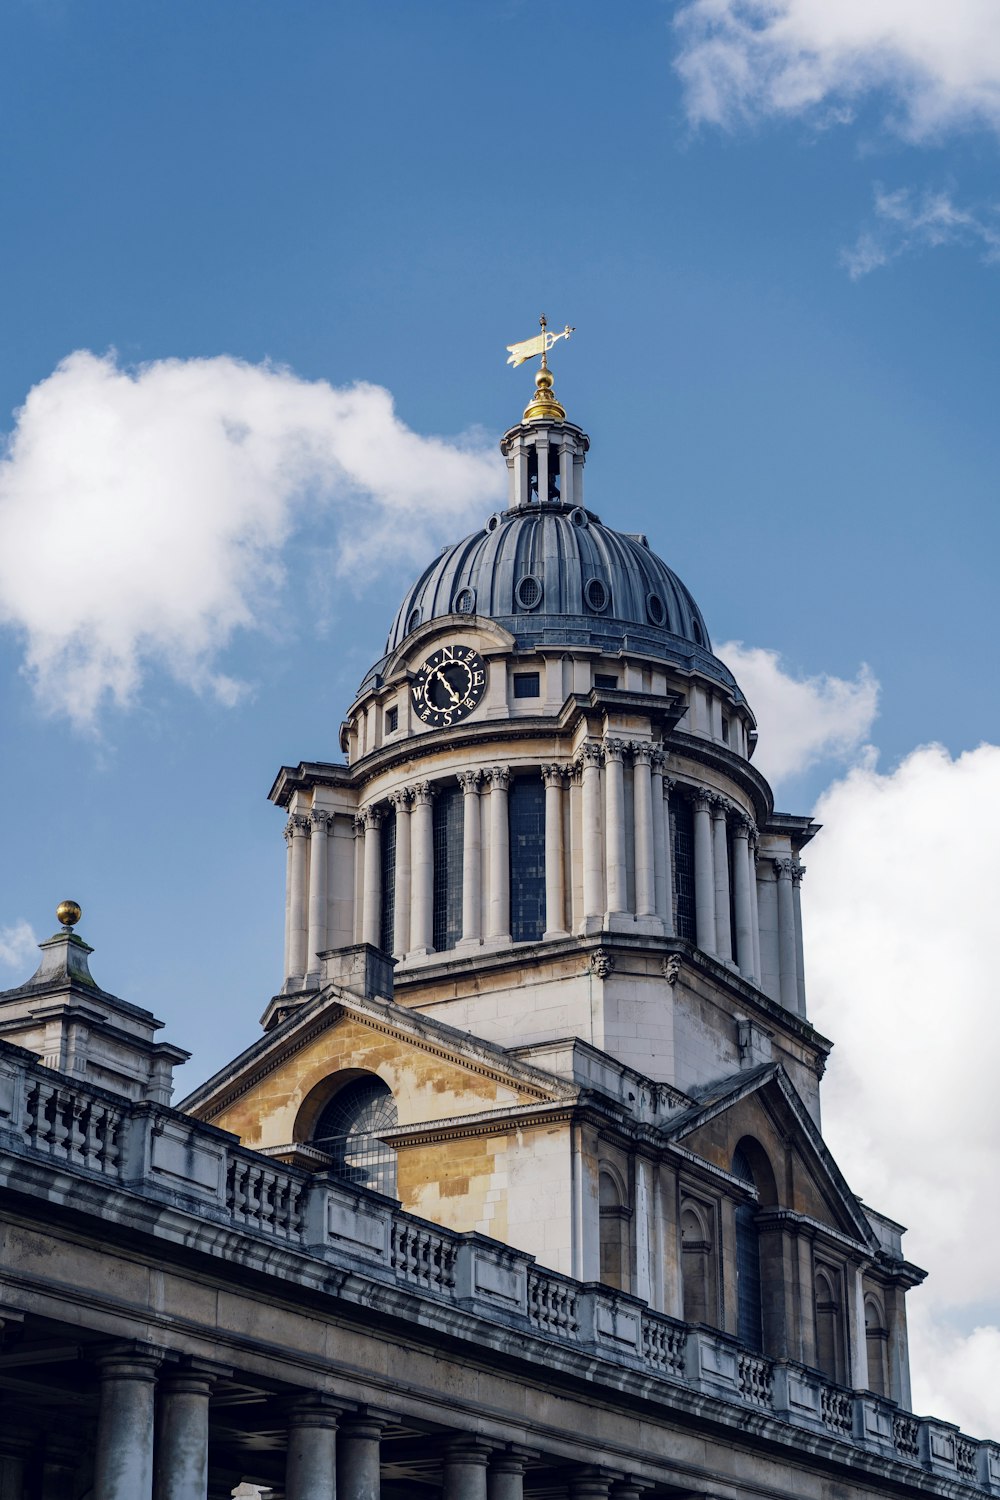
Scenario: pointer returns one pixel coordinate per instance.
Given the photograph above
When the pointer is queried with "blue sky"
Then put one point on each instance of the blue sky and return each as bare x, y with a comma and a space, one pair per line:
787, 348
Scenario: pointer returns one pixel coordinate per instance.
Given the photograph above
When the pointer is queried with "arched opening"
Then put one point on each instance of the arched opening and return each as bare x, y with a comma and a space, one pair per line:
877, 1347
698, 1264
348, 1130
614, 1221
749, 1304
829, 1340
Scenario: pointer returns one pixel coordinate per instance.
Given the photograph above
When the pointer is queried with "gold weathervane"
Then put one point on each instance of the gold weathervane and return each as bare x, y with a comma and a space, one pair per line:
544, 407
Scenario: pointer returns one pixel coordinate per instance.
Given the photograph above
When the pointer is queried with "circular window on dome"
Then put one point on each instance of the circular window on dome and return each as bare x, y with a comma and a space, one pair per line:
413, 621
655, 611
494, 521
595, 593
579, 516
465, 602
528, 592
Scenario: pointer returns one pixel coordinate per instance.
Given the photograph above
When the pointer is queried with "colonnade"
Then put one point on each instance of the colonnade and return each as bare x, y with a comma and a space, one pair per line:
153, 1440
609, 847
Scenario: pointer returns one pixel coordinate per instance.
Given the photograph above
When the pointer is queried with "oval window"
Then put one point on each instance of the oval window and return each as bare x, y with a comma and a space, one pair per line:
494, 521
465, 602
528, 592
655, 610
596, 595
413, 621
579, 516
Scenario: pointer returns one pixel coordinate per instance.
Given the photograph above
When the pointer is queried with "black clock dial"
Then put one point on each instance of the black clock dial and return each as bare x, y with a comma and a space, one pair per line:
448, 686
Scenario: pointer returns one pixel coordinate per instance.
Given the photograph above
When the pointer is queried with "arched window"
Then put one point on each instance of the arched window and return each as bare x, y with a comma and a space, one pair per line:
829, 1338
877, 1346
614, 1220
698, 1264
348, 1131
749, 1310
527, 858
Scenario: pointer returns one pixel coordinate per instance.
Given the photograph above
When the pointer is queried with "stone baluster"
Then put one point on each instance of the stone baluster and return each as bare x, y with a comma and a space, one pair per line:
123, 1461
371, 931
555, 856
319, 864
464, 1469
800, 966
182, 1440
645, 810
422, 869
704, 873
499, 854
359, 1458
401, 897
297, 830
723, 919
311, 1458
789, 989
614, 798
590, 792
505, 1477
472, 858
742, 865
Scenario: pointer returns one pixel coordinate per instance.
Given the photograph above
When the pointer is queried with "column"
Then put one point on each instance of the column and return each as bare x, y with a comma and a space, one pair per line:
296, 831
753, 850
371, 931
720, 839
311, 1458
422, 870
660, 827
319, 824
499, 854
555, 857
359, 877
472, 858
590, 791
12, 1471
800, 967
60, 1466
505, 1478
789, 989
359, 1462
741, 896
401, 903
589, 1484
857, 1339
542, 460
704, 875
464, 1469
123, 1463
614, 799
645, 833
182, 1442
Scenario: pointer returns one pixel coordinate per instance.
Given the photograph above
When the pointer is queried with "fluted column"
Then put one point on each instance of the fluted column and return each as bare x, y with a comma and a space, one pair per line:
800, 968
656, 761
668, 864
704, 874
371, 931
182, 1442
123, 1463
319, 864
741, 896
590, 792
753, 852
555, 858
499, 853
645, 835
297, 831
472, 858
789, 989
505, 1478
359, 1458
614, 802
401, 889
464, 1470
311, 1458
422, 869
720, 839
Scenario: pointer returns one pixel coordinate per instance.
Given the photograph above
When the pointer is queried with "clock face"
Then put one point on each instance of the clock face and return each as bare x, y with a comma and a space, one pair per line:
448, 686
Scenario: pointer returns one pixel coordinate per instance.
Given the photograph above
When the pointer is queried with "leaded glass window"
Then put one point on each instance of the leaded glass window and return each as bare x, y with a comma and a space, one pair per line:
448, 830
749, 1312
682, 818
527, 859
387, 833
348, 1131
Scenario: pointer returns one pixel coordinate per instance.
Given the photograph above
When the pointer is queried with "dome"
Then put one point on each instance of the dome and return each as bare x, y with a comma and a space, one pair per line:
554, 574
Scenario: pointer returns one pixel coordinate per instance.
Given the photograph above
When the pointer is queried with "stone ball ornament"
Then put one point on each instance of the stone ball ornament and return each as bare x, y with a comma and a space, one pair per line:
68, 913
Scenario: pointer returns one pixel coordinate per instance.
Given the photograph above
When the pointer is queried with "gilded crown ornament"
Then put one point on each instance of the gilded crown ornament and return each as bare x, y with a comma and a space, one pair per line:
545, 406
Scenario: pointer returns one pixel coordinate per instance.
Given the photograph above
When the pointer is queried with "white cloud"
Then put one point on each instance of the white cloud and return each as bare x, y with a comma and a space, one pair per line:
900, 912
802, 721
906, 220
17, 944
937, 64
143, 512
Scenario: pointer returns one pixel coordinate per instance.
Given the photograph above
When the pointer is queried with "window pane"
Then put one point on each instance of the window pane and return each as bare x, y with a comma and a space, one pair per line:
448, 824
526, 685
347, 1130
527, 859
388, 835
682, 818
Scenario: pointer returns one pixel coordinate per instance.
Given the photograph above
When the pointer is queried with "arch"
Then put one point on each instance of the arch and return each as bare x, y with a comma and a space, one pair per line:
876, 1346
829, 1336
614, 1215
346, 1126
698, 1263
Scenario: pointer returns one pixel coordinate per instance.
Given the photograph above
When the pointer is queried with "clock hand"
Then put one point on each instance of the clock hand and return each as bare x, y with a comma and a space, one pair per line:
440, 674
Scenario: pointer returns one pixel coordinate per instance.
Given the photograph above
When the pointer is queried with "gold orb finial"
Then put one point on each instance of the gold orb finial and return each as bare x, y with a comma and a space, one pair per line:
545, 406
68, 913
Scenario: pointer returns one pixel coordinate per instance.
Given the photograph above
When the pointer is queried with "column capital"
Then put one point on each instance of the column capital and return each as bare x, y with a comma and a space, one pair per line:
401, 799
797, 872
499, 778
312, 1409
720, 805
359, 825
669, 783
657, 758
642, 752
469, 1449
128, 1361
783, 868
319, 818
614, 748
743, 826
555, 775
588, 755
424, 793
469, 782
299, 824
702, 799
372, 816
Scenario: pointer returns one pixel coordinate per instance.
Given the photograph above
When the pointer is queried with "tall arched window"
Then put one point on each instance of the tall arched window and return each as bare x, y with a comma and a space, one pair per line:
877, 1347
527, 858
448, 860
749, 1310
682, 819
348, 1131
697, 1264
614, 1220
387, 834
829, 1337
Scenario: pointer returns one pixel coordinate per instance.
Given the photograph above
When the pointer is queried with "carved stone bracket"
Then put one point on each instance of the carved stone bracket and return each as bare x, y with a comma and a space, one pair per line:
671, 967
602, 963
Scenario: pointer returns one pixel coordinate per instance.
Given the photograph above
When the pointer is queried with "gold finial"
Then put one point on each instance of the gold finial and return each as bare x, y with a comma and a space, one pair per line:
544, 407
68, 913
